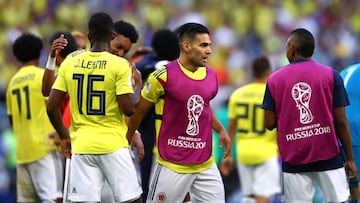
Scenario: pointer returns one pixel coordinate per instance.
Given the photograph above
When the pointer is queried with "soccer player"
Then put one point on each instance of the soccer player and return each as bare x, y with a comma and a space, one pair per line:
181, 92
26, 107
351, 77
256, 147
62, 44
306, 102
126, 36
165, 48
101, 95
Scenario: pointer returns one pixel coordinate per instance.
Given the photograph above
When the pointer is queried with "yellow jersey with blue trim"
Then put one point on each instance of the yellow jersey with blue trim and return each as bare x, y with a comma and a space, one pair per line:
254, 143
27, 107
93, 80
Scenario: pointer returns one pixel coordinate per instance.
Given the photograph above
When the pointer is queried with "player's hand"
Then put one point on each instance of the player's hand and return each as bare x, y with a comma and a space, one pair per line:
66, 147
136, 83
57, 45
137, 143
54, 138
226, 166
136, 76
351, 170
225, 140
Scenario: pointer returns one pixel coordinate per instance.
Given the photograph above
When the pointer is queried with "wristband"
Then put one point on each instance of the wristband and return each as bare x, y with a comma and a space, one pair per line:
50, 64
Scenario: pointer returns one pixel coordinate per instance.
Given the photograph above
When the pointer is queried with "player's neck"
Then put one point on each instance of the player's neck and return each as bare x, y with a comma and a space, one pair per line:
260, 80
187, 65
34, 62
100, 46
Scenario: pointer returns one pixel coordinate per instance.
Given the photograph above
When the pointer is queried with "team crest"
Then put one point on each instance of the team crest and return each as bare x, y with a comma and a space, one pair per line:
160, 197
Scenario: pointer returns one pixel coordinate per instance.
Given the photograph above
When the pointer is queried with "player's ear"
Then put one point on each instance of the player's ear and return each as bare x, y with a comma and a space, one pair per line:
89, 36
186, 46
113, 35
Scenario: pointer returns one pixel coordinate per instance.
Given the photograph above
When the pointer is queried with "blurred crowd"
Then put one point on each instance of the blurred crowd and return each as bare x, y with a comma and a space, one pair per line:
241, 31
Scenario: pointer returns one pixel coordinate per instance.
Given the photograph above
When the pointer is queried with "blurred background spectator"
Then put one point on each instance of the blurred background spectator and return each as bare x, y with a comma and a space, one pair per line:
241, 30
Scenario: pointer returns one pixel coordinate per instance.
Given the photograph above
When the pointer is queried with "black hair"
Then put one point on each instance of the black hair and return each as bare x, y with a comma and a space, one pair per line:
189, 30
70, 47
165, 44
305, 42
128, 30
100, 26
260, 67
27, 47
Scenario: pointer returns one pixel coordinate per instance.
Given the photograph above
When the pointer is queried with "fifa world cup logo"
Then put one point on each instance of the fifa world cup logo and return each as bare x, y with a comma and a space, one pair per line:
301, 93
195, 106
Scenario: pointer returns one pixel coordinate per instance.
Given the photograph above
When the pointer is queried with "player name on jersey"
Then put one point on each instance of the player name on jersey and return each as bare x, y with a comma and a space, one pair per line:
96, 64
24, 78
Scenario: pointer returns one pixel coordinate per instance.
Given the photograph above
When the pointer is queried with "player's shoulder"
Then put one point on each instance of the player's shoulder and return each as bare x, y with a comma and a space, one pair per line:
350, 69
236, 94
114, 59
74, 56
242, 88
77, 52
159, 72
30, 70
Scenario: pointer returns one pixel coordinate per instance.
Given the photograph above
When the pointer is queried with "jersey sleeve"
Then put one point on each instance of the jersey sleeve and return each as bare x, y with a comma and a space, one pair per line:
153, 89
123, 79
268, 101
340, 96
59, 83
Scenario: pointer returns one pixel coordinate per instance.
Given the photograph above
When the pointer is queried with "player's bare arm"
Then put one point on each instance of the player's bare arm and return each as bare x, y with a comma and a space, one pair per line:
136, 82
270, 120
49, 75
343, 132
54, 112
134, 122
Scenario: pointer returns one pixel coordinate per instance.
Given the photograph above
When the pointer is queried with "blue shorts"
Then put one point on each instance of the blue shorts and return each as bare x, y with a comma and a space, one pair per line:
356, 152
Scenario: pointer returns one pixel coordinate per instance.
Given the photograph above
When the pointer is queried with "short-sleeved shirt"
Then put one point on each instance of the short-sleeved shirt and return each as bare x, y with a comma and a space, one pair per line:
27, 106
255, 144
153, 91
351, 77
93, 80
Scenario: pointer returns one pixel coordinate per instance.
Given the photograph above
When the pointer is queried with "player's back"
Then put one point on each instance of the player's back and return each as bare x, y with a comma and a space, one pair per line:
255, 143
27, 106
351, 77
93, 79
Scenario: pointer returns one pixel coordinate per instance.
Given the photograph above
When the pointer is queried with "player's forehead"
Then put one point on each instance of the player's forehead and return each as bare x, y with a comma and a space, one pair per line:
122, 40
202, 39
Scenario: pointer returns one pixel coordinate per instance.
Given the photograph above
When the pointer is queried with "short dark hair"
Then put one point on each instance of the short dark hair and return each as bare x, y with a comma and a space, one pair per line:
128, 30
260, 67
100, 26
70, 47
27, 47
189, 30
165, 45
305, 42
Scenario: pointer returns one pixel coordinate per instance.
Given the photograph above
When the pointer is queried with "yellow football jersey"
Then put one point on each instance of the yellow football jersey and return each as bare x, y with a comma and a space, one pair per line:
254, 143
92, 80
27, 106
